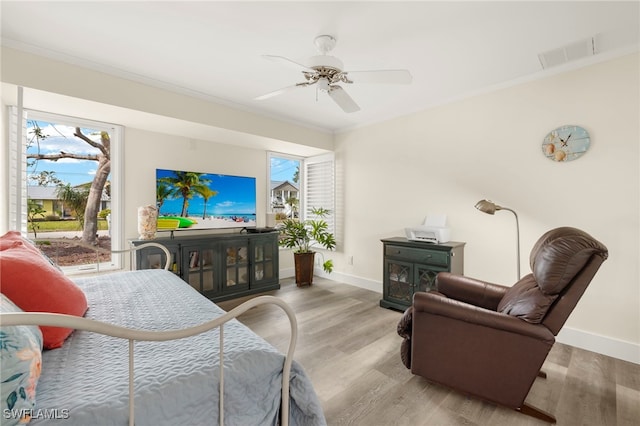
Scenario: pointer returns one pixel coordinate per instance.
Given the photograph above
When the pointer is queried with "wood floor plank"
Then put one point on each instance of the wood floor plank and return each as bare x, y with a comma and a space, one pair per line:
349, 347
627, 405
627, 375
589, 389
410, 404
545, 392
354, 404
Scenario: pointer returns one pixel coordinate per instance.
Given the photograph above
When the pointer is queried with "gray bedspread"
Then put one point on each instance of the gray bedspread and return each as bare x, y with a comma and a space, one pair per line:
85, 382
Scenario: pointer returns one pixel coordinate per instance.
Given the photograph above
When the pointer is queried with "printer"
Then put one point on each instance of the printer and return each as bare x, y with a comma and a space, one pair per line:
433, 230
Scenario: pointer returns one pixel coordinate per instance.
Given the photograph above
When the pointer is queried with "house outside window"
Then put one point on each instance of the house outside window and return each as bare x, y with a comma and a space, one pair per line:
284, 185
285, 196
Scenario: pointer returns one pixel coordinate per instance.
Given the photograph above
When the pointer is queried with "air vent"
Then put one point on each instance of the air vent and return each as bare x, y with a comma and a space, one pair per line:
571, 52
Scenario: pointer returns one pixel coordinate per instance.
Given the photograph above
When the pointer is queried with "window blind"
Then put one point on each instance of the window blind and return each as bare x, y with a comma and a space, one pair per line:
17, 170
319, 187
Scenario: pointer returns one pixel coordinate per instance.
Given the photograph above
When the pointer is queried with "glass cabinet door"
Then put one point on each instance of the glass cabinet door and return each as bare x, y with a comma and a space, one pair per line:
155, 258
400, 279
236, 276
425, 279
265, 252
200, 268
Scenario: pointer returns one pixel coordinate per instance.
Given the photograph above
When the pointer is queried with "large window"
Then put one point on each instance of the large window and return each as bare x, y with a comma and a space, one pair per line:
66, 174
284, 186
297, 185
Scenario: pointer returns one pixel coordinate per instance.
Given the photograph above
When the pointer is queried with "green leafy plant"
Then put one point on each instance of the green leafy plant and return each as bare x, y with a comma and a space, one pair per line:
34, 209
303, 235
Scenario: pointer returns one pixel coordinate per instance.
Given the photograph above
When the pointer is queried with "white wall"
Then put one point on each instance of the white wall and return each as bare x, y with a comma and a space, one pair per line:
445, 159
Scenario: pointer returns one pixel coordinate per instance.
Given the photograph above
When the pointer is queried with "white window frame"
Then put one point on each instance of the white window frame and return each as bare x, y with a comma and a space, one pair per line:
18, 178
316, 184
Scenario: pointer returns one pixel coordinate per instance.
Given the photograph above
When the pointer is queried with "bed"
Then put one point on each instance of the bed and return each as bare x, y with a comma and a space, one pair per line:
176, 381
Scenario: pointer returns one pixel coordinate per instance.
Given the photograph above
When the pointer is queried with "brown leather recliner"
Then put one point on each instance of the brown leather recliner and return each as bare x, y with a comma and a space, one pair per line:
489, 340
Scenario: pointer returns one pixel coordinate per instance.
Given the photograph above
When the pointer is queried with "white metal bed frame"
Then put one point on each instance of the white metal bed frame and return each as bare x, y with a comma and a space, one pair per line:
149, 244
132, 335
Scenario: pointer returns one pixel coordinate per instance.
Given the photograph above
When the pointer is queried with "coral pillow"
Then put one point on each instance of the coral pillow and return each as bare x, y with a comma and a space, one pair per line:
35, 285
11, 238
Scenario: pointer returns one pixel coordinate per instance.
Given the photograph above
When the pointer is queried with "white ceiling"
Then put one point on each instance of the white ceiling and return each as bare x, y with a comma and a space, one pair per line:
213, 49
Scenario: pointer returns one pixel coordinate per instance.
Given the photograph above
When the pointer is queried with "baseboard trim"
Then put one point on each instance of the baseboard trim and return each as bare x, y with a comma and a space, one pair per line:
609, 346
287, 272
620, 349
339, 277
365, 283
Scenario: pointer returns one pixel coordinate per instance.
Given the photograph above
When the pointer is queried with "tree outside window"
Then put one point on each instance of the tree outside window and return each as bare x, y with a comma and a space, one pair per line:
68, 170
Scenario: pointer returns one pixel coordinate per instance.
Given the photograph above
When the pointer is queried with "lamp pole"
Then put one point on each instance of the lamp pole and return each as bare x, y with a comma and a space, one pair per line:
517, 236
490, 207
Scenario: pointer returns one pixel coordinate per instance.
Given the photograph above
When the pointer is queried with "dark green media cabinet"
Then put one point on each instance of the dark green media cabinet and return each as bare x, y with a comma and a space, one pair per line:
412, 266
220, 266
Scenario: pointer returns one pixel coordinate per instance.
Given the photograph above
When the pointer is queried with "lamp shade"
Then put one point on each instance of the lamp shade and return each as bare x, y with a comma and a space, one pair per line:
487, 206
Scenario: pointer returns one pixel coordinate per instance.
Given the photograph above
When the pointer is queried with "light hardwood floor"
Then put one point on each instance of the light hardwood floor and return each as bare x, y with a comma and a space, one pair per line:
349, 347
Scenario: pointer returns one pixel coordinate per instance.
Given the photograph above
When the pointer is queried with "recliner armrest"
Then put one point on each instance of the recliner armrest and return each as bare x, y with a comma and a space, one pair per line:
470, 290
404, 325
436, 304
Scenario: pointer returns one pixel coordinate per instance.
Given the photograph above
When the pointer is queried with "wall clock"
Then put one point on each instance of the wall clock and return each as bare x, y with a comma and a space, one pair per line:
566, 143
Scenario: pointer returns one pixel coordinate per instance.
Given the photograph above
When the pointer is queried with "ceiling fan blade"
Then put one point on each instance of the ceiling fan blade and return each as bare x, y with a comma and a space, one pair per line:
381, 76
280, 91
342, 98
275, 93
288, 62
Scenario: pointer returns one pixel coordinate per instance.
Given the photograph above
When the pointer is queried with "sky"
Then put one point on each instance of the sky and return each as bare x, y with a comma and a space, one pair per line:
60, 138
283, 168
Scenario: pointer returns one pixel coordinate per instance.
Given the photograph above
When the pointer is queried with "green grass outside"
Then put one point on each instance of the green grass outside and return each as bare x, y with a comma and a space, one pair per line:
65, 225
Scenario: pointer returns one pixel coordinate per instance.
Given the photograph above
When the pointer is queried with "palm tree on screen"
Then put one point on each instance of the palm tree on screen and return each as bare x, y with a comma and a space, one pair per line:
184, 184
206, 193
162, 193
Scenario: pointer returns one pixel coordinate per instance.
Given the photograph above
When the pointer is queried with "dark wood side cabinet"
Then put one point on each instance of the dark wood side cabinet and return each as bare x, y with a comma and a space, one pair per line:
411, 266
220, 266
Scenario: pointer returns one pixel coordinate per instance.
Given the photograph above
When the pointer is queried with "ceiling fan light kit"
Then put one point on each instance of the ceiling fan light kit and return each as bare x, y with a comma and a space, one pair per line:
327, 71
323, 84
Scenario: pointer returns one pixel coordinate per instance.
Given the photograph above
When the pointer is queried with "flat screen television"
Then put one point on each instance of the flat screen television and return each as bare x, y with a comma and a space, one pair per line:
191, 200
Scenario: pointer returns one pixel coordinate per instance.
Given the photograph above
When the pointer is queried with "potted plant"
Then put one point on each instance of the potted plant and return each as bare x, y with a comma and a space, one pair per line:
302, 236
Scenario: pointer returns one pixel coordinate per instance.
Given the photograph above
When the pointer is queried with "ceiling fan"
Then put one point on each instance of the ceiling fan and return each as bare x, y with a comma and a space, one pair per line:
327, 71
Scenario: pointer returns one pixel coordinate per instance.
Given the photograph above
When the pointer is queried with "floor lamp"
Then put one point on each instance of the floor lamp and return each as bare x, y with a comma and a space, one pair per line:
490, 207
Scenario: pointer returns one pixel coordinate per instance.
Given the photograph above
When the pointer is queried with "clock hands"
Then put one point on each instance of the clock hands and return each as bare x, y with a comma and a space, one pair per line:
563, 142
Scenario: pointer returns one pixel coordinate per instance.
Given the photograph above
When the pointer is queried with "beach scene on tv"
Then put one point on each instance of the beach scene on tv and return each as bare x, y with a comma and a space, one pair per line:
191, 200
